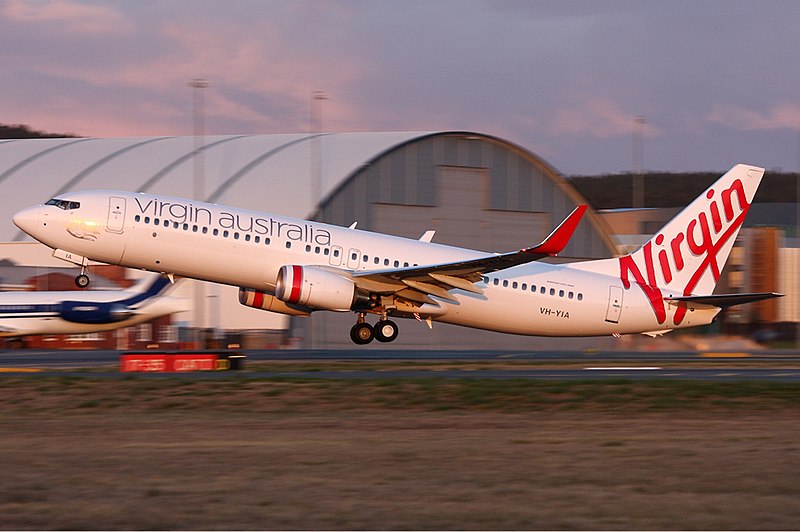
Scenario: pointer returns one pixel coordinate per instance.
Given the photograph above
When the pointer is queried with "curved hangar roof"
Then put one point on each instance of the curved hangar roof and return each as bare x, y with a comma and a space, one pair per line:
373, 178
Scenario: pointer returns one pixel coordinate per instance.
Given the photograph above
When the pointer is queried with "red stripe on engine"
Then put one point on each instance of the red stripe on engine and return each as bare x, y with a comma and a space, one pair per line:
297, 284
258, 298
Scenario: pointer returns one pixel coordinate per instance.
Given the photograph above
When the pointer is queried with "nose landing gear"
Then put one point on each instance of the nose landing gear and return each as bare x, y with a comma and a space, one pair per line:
82, 280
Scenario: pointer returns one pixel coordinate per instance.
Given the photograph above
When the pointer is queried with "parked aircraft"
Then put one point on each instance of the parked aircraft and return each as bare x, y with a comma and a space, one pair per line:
73, 312
296, 266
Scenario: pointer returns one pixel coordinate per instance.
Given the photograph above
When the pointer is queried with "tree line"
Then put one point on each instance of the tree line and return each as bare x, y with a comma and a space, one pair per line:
21, 131
665, 189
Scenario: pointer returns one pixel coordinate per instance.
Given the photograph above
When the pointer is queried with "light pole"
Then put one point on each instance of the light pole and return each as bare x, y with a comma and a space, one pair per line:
198, 130
317, 97
638, 162
797, 242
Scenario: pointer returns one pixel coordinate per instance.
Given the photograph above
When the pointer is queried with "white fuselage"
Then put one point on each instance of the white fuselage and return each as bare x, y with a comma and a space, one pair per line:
247, 249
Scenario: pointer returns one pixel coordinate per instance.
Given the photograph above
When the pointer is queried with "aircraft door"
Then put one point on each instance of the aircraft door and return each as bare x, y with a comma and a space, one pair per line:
353, 258
116, 214
336, 256
614, 304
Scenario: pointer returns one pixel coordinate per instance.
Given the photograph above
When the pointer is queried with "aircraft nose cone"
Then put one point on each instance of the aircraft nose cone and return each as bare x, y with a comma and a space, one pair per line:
27, 219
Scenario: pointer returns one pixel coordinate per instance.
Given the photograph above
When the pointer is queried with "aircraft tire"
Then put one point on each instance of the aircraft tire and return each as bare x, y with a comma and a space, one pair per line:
362, 333
82, 281
386, 331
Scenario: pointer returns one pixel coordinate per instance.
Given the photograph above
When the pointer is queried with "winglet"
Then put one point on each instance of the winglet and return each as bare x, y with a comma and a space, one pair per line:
427, 236
558, 239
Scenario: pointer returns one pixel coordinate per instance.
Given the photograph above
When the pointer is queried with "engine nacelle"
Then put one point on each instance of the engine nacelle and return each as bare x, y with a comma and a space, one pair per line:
264, 301
314, 287
95, 313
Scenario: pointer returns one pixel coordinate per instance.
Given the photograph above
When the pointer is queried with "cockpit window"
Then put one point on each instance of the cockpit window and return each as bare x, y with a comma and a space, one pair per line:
64, 204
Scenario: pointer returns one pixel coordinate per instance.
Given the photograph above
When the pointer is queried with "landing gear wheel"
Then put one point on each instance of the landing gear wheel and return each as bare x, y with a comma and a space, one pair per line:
82, 281
385, 331
362, 333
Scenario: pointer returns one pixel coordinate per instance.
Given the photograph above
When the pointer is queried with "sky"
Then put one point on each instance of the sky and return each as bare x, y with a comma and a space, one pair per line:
716, 82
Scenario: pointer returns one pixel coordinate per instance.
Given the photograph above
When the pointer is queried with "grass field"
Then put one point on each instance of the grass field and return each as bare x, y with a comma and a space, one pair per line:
141, 453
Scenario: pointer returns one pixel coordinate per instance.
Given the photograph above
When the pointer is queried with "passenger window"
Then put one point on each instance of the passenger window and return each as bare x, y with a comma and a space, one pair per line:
396, 263
580, 297
505, 283
327, 252
570, 295
288, 244
137, 218
560, 293
205, 230
385, 262
496, 281
225, 233
308, 248
552, 291
514, 285
216, 231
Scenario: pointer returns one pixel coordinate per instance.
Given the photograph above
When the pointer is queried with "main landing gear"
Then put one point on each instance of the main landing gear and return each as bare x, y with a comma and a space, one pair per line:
363, 333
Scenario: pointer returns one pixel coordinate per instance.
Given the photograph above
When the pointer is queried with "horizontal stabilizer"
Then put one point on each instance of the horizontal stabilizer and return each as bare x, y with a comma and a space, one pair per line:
726, 300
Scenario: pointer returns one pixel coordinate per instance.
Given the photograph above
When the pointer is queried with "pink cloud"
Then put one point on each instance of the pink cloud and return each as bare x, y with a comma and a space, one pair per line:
74, 17
599, 118
782, 116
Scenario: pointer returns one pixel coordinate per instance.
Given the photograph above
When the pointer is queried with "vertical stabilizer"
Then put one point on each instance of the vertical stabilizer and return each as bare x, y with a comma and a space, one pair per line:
686, 257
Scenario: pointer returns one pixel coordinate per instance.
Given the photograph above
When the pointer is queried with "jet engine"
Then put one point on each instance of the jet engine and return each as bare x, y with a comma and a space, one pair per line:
264, 301
318, 288
91, 312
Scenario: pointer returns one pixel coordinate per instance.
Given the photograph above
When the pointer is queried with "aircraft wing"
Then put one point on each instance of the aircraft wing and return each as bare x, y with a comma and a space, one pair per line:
416, 283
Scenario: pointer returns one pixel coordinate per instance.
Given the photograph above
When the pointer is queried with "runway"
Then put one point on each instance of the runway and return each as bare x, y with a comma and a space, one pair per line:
781, 366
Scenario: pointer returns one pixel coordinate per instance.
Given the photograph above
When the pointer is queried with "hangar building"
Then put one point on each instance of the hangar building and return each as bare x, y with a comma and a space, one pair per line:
473, 190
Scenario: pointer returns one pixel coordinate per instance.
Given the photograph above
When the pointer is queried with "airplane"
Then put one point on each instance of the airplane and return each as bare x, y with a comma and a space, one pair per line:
296, 267
72, 312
